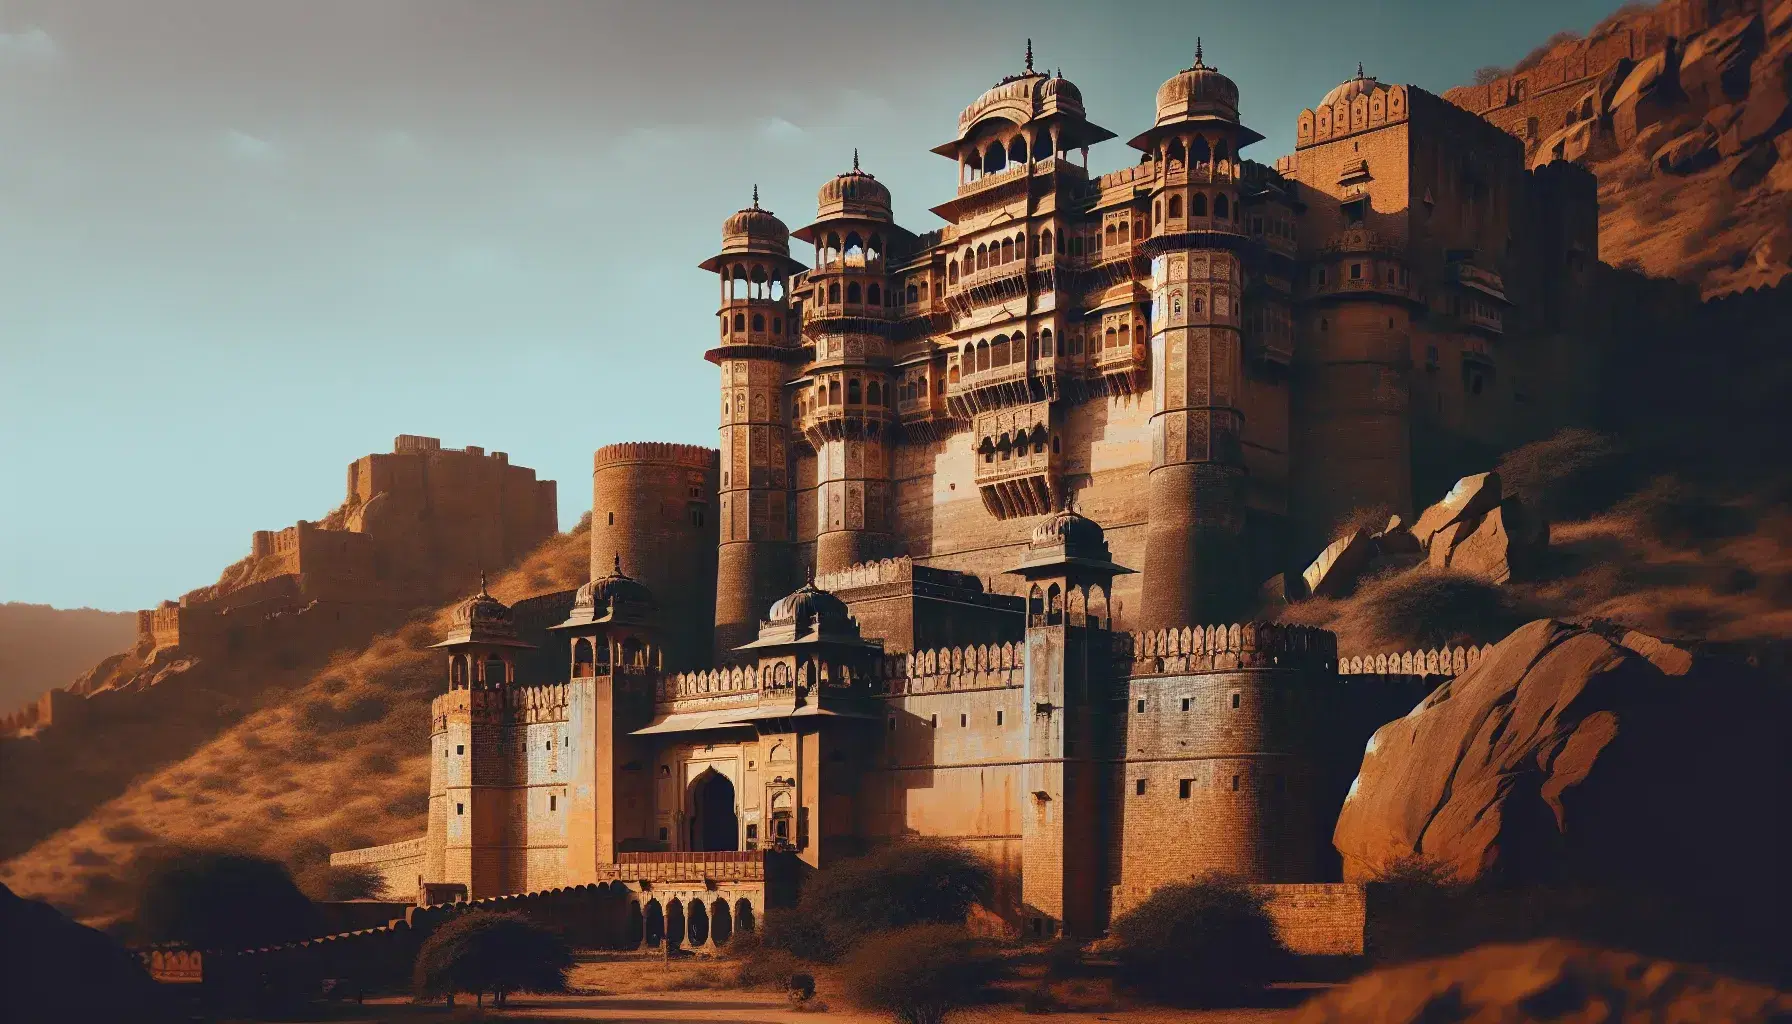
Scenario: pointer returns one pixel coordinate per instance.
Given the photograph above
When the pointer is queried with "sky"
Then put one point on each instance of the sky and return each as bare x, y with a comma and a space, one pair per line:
244, 242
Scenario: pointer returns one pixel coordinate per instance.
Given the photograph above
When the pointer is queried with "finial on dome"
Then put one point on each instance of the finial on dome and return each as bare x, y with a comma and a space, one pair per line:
809, 576
855, 158
482, 583
1029, 56
1198, 62
619, 554
1359, 69
755, 206
1060, 72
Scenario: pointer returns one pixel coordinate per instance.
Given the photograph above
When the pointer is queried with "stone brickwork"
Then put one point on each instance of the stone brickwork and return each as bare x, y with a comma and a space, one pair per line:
653, 507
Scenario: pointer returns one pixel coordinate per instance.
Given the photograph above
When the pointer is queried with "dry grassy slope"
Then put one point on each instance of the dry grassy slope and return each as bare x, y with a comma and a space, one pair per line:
335, 762
1610, 567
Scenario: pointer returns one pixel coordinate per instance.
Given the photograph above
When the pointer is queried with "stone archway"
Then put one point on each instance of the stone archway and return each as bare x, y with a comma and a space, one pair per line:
714, 824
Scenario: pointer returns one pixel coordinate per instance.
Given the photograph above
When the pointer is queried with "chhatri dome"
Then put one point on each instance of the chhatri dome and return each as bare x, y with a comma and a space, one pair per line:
482, 619
1352, 88
1198, 95
854, 193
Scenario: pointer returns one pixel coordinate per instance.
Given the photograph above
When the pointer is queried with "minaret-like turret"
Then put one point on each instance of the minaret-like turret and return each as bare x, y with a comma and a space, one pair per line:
1194, 542
845, 408
758, 340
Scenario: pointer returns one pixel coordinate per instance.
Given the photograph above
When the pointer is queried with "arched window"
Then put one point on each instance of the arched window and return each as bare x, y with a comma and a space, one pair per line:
833, 392
1176, 154
994, 158
1032, 347
457, 670
1220, 152
1054, 605
1042, 145
1221, 208
581, 658
1108, 339
913, 295
1157, 212
983, 355
1125, 232
952, 272
1110, 236
982, 256
998, 351
970, 357
1045, 342
1045, 241
1197, 205
1175, 207
874, 250
777, 325
988, 450
1007, 250
1197, 151
494, 671
855, 248
1017, 150
759, 321
740, 321
873, 294
951, 374
852, 292
834, 292
873, 396
1138, 336
833, 248
852, 392
738, 282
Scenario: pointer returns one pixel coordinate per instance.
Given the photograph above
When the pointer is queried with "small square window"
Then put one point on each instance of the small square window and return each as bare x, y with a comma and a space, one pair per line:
549, 745
964, 720
1141, 707
662, 834
460, 748
1138, 787
1235, 700
1185, 703
553, 802
998, 718
1235, 783
1184, 787
460, 808
933, 721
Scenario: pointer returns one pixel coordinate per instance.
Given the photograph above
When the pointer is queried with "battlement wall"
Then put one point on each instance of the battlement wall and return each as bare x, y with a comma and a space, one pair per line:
689, 456
544, 703
1219, 648
1439, 661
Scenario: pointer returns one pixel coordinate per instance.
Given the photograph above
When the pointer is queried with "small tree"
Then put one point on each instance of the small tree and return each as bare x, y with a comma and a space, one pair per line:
894, 886
482, 952
1206, 942
921, 974
220, 899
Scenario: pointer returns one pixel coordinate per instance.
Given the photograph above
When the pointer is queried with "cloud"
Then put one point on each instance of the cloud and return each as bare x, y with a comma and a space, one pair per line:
250, 149
32, 46
776, 129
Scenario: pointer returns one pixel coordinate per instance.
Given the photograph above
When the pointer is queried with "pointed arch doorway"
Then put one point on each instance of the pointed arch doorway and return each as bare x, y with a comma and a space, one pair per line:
714, 825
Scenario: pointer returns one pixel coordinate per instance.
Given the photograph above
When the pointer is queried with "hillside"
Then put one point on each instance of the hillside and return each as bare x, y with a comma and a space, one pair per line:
328, 759
43, 647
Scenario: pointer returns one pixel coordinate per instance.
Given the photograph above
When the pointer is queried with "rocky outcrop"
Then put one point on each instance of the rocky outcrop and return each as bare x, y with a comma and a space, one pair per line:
1471, 498
1335, 571
1691, 152
1566, 755
1549, 979
1506, 543
1714, 69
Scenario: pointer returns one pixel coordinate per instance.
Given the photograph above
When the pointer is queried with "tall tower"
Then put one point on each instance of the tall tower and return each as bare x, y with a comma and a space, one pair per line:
652, 507
846, 408
1194, 541
758, 339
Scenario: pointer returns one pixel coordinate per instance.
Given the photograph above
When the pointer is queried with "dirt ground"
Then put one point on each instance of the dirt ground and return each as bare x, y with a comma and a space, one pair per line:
624, 988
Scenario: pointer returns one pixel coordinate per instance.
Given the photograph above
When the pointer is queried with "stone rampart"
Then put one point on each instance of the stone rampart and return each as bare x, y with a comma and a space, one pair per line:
1441, 661
658, 452
980, 667
517, 705
1233, 646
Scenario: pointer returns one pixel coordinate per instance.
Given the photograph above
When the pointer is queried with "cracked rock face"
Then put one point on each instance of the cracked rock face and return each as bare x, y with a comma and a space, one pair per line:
1564, 756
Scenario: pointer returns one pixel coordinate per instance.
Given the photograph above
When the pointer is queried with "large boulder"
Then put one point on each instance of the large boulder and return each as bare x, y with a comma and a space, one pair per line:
1471, 498
1689, 153
1335, 571
1578, 142
1649, 94
1547, 979
1506, 543
1567, 756
1714, 67
56, 970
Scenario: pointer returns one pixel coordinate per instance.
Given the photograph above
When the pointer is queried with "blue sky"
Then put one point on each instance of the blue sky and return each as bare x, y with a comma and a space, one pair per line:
244, 242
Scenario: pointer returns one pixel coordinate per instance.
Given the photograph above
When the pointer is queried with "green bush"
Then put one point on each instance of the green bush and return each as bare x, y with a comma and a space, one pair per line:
482, 952
1208, 943
920, 974
894, 886
220, 899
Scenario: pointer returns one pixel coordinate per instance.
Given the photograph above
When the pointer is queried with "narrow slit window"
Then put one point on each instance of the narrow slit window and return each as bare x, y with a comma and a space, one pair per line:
1185, 787
1138, 788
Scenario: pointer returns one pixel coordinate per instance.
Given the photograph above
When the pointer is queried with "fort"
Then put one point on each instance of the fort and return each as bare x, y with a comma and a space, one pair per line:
981, 495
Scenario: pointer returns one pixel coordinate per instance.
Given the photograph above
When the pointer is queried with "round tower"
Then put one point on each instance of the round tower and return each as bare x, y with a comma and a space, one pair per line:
1194, 539
845, 408
652, 507
758, 341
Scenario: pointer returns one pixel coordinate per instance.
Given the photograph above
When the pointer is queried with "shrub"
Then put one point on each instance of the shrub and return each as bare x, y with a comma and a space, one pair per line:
894, 886
760, 965
920, 974
482, 952
1207, 942
1572, 475
1435, 608
219, 899
1063, 958
336, 882
1677, 515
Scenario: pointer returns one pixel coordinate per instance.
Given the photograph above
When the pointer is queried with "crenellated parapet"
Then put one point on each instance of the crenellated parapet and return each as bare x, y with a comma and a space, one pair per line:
868, 574
1440, 661
509, 705
688, 455
985, 666
728, 679
1234, 646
